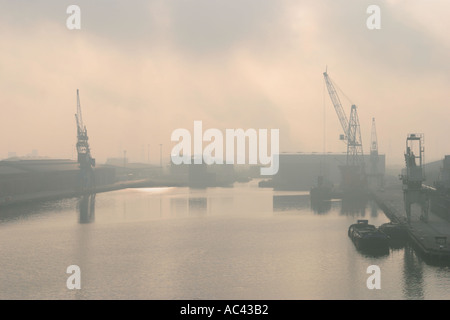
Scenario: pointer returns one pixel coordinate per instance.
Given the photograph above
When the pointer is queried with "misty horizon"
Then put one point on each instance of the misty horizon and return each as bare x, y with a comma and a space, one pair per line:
148, 69
203, 150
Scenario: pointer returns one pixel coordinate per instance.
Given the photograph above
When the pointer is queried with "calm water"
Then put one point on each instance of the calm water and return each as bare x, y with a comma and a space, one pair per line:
219, 243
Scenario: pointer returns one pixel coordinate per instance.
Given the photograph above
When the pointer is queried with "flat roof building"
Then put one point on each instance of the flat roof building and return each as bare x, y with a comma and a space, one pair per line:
26, 177
299, 171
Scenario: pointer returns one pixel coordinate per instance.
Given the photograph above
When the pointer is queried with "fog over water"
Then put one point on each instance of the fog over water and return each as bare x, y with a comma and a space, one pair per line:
147, 71
218, 243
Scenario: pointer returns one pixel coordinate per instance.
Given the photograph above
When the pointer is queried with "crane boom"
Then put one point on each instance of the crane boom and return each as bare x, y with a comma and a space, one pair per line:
79, 117
337, 104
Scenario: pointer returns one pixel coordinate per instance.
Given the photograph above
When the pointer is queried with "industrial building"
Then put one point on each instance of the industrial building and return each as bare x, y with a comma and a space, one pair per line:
300, 171
31, 178
203, 175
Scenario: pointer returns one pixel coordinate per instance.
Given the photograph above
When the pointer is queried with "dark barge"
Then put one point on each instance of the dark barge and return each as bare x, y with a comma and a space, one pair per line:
367, 237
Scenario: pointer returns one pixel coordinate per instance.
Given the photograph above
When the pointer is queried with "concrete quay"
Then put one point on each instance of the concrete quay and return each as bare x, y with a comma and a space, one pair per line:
431, 239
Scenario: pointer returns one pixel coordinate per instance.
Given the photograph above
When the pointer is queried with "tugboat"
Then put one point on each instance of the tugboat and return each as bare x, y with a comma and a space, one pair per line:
367, 237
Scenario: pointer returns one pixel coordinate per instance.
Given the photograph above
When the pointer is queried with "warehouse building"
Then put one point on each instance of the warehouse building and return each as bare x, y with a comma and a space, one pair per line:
27, 177
299, 171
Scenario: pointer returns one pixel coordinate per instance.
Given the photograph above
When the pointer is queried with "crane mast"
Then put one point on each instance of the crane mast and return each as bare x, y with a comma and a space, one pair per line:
354, 141
375, 175
85, 160
374, 140
374, 150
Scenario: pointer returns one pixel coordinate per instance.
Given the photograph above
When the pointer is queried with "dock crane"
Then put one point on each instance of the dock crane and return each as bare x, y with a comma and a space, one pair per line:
85, 160
413, 176
374, 140
353, 173
351, 128
375, 176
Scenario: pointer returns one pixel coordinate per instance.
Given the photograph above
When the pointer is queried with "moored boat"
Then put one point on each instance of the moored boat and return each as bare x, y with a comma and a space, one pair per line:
398, 231
367, 237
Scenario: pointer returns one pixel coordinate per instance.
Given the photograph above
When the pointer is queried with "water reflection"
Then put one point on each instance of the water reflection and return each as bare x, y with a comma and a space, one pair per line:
374, 253
321, 206
412, 275
15, 212
198, 206
178, 207
34, 209
288, 202
299, 202
354, 207
373, 209
86, 208
182, 207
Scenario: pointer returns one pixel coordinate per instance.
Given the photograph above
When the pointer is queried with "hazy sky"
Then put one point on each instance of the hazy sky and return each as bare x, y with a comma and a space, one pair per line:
146, 68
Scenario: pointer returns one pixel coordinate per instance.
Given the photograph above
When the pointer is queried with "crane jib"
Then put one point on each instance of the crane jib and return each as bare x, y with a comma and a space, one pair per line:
337, 104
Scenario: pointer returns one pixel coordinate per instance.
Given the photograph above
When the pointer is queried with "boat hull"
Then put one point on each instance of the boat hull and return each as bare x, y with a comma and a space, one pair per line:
368, 238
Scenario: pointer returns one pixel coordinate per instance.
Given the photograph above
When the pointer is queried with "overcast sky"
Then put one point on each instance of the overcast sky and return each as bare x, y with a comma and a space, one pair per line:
146, 68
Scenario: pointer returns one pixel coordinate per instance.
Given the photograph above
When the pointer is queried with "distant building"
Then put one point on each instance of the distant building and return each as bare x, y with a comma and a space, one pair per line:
25, 177
203, 175
199, 176
300, 171
132, 170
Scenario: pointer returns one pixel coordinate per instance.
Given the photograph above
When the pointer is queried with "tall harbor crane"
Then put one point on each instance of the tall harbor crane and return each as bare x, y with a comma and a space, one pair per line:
374, 140
374, 175
351, 128
353, 174
413, 176
374, 150
85, 160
